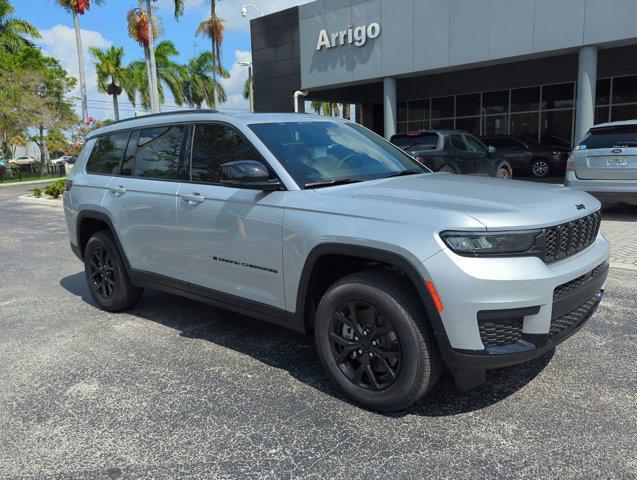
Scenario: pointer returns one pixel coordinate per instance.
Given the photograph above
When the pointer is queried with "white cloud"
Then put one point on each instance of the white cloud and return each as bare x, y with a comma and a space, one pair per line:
59, 42
230, 10
234, 84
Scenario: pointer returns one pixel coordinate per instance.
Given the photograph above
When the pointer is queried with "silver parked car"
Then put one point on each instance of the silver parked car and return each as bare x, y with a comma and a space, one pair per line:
604, 163
320, 225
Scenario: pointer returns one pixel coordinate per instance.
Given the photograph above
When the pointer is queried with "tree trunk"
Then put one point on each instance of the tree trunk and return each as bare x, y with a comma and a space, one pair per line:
346, 111
213, 16
41, 146
149, 79
116, 107
80, 61
153, 66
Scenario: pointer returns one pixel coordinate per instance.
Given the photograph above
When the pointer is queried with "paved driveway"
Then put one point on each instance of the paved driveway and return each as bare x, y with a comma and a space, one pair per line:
179, 389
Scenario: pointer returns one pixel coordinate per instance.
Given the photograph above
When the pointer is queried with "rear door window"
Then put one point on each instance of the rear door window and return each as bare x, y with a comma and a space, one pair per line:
475, 145
107, 154
611, 137
458, 142
215, 144
160, 153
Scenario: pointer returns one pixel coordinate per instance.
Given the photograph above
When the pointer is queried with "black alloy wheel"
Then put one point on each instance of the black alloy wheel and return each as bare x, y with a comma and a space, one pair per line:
102, 273
540, 168
365, 345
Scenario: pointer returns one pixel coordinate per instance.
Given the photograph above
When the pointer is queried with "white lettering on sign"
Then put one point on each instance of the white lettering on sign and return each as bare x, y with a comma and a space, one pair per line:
352, 35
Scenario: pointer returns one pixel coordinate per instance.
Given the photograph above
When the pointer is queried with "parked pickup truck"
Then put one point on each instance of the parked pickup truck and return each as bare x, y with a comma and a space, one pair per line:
453, 151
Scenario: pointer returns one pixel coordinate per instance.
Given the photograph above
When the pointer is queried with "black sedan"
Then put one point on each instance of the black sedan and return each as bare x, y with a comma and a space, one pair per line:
453, 151
529, 157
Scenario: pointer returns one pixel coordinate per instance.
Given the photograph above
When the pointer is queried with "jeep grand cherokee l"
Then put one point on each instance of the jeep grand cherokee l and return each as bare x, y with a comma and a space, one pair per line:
324, 227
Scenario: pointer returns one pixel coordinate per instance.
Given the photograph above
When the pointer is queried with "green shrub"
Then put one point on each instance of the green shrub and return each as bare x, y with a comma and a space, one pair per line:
55, 189
37, 192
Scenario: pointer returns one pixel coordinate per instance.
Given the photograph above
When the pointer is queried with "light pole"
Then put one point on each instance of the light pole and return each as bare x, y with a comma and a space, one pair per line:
244, 9
250, 91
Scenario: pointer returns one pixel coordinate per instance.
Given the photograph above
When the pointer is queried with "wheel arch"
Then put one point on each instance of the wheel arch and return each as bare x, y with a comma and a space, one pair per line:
92, 221
365, 255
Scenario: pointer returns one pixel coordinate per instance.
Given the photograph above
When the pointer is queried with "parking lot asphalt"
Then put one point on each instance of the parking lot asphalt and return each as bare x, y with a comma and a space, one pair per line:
178, 389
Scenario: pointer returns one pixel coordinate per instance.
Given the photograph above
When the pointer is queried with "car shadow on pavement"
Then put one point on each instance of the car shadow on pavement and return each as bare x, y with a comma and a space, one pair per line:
294, 352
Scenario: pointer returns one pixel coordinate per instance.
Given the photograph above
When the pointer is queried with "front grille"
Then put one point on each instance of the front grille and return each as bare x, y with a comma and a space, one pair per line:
494, 333
574, 319
572, 237
579, 282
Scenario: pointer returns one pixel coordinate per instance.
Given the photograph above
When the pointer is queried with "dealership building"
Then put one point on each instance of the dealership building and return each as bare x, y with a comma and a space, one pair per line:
546, 69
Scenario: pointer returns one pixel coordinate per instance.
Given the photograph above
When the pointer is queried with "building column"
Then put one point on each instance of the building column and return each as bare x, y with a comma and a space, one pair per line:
586, 83
389, 106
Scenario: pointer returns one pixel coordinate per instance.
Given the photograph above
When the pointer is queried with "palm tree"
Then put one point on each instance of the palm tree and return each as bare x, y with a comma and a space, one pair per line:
77, 8
198, 84
326, 108
169, 73
111, 74
14, 30
213, 28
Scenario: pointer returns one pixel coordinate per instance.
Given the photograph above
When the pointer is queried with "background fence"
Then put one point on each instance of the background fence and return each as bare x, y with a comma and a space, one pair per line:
31, 172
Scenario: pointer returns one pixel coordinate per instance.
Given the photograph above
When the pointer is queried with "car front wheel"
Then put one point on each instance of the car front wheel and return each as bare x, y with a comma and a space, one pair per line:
373, 339
540, 168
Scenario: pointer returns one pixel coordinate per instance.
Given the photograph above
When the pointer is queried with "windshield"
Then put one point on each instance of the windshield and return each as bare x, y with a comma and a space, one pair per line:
423, 141
324, 152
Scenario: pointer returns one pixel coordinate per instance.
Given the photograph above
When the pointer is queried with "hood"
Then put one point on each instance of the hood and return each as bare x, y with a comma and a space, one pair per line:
497, 204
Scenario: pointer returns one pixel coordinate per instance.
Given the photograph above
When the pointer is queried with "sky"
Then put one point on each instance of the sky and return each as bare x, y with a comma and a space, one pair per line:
105, 25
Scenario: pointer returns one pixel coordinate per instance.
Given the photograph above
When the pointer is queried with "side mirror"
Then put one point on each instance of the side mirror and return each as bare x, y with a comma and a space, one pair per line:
247, 174
490, 150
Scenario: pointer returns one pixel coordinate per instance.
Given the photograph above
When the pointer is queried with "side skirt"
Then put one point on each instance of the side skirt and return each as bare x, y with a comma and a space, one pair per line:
250, 308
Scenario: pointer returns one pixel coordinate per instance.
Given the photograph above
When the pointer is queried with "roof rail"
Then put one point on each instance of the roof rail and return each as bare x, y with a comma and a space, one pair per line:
163, 114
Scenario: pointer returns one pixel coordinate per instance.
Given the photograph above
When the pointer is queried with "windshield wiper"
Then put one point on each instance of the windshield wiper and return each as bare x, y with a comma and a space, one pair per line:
409, 171
331, 182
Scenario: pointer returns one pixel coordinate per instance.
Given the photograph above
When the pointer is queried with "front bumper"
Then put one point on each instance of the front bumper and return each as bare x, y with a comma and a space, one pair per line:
522, 290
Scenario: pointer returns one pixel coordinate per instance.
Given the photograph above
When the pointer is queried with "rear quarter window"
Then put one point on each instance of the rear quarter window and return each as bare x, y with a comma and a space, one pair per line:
107, 154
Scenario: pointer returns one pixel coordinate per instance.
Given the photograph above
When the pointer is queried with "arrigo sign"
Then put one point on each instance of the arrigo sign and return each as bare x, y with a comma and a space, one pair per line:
352, 35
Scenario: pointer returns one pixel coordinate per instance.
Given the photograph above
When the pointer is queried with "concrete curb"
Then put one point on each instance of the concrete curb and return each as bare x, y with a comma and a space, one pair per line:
30, 182
625, 266
39, 201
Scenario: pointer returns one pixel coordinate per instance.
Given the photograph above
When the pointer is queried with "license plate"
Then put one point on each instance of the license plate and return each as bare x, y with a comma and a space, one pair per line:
616, 162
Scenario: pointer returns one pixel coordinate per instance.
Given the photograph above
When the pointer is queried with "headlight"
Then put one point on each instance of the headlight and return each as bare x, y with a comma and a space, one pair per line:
496, 243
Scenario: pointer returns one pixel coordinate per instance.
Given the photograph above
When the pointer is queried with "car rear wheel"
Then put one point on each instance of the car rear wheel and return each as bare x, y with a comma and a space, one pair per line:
374, 341
504, 173
106, 274
540, 167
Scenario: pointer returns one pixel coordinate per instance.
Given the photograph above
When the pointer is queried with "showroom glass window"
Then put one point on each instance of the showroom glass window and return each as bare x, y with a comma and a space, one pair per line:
107, 154
160, 152
215, 144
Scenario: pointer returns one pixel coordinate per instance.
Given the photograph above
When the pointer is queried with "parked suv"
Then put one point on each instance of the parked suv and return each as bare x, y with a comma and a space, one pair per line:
604, 163
453, 151
324, 227
528, 157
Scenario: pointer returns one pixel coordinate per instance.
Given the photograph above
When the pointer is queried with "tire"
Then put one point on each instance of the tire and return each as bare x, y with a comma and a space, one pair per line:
106, 274
504, 173
390, 313
447, 169
540, 168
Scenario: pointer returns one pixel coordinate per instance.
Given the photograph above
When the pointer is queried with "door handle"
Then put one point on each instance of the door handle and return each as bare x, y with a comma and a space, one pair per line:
193, 199
118, 191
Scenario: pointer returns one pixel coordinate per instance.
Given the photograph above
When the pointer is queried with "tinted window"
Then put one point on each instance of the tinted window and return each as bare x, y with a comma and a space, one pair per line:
324, 151
495, 102
625, 89
470, 124
502, 142
107, 154
467, 105
159, 152
129, 156
214, 145
457, 142
474, 144
428, 141
442, 107
611, 137
558, 96
525, 99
